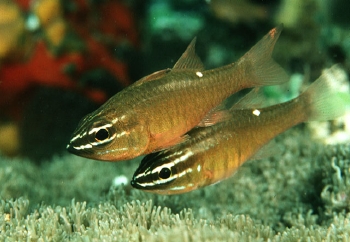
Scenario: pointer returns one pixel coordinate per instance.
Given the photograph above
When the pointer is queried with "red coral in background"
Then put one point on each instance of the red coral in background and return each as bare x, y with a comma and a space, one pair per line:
121, 23
24, 4
44, 68
54, 60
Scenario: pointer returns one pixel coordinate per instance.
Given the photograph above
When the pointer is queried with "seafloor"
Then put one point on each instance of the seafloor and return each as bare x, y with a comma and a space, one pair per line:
301, 194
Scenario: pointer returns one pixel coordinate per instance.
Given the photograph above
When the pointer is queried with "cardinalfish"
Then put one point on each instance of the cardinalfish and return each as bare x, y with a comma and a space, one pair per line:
214, 153
155, 112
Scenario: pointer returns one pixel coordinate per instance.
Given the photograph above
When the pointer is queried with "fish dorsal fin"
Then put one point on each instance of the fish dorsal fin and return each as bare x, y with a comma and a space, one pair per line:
152, 77
189, 59
253, 99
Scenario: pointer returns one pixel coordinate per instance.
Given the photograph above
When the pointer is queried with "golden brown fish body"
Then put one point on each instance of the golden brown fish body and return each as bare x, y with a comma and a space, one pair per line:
157, 110
214, 153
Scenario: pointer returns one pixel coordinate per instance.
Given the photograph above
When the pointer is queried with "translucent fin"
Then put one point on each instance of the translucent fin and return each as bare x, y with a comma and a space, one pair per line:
259, 64
322, 98
154, 76
271, 149
216, 115
170, 143
253, 99
189, 59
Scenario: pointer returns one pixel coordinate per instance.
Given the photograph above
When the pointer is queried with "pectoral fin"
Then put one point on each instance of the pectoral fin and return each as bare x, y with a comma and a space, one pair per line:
254, 99
214, 116
170, 143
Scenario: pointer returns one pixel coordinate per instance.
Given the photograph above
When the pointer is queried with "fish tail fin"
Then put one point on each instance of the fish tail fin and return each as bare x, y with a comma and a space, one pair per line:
322, 100
259, 64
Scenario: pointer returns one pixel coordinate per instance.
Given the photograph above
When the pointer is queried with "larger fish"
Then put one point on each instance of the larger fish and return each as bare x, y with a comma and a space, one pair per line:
214, 153
157, 110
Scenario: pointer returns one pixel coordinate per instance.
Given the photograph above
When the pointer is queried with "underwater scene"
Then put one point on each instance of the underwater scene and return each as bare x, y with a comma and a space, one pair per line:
174, 120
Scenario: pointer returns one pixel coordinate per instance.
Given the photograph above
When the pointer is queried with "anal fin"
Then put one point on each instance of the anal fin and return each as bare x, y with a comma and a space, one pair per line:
271, 149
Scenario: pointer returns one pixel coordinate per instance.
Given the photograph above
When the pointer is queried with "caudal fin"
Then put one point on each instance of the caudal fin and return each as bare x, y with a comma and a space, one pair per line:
323, 100
262, 68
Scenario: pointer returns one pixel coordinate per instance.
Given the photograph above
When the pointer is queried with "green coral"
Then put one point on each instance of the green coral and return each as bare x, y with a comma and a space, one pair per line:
136, 221
301, 193
336, 193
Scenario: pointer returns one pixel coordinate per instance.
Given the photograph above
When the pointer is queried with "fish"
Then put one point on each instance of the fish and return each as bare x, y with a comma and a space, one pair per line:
156, 111
214, 153
235, 11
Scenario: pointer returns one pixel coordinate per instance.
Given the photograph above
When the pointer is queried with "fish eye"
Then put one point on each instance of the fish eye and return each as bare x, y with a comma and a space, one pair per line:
102, 134
164, 173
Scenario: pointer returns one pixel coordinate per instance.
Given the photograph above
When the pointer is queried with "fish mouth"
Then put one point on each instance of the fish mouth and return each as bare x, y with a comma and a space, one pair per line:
71, 149
136, 185
139, 185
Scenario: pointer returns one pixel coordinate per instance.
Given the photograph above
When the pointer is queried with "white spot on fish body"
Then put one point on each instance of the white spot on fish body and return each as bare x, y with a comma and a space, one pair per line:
199, 74
256, 112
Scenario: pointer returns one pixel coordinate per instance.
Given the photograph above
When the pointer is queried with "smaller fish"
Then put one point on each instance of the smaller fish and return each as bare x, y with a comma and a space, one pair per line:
214, 153
235, 11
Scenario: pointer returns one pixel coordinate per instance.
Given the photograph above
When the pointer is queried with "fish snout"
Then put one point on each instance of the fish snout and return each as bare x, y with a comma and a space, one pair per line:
139, 184
79, 147
70, 148
134, 184
142, 180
